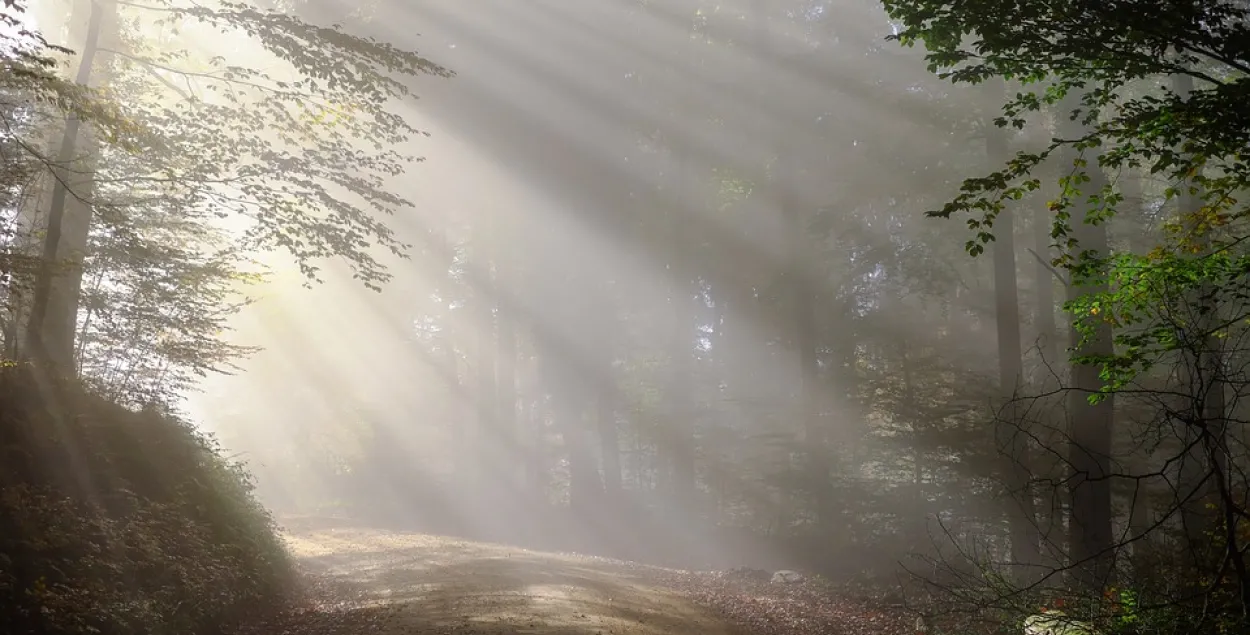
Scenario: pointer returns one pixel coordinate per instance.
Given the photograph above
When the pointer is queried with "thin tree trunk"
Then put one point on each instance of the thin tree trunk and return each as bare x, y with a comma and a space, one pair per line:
464, 410
919, 496
534, 437
506, 377
682, 327
680, 432
484, 438
609, 441
536, 449
1139, 522
802, 320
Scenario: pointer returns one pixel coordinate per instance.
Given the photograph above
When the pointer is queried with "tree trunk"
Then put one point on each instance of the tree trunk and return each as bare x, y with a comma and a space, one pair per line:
680, 433
52, 324
1140, 521
1205, 465
609, 441
684, 203
484, 438
1090, 433
534, 438
1051, 367
1012, 438
463, 413
1130, 182
536, 449
801, 292
584, 484
506, 421
919, 515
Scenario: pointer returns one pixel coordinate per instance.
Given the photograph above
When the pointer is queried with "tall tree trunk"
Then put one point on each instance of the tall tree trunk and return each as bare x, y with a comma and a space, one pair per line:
584, 484
801, 295
565, 345
52, 323
506, 420
680, 432
1090, 432
919, 515
484, 439
1051, 367
536, 425
1130, 185
609, 441
463, 414
684, 205
1204, 467
1013, 440
799, 288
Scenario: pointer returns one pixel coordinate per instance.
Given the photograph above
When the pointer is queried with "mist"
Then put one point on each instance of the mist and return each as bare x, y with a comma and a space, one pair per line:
596, 341
670, 301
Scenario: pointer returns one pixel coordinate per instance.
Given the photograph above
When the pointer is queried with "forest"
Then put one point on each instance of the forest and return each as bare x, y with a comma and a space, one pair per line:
751, 317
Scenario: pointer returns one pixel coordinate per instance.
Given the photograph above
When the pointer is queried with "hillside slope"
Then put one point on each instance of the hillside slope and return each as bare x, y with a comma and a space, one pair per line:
114, 521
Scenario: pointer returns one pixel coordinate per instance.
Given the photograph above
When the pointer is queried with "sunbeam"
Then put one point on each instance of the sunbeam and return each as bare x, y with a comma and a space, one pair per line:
564, 317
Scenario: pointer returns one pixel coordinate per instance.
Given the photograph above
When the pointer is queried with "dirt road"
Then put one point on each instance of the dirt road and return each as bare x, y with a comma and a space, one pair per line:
425, 584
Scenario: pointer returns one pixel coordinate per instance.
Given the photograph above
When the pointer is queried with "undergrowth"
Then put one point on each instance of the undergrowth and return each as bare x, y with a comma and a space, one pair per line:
113, 521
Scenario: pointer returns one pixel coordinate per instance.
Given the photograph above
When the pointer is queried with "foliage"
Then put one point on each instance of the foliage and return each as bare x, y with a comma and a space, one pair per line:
31, 81
1101, 64
155, 306
123, 521
1164, 305
305, 155
197, 160
1153, 90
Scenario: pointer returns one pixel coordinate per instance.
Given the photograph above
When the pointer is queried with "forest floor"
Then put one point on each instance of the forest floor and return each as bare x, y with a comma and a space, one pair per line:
374, 582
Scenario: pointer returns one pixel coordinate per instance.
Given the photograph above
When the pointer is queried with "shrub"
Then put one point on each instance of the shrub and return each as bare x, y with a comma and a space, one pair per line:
113, 521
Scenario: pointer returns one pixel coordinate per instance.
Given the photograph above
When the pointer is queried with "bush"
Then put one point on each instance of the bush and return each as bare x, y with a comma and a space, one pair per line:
113, 521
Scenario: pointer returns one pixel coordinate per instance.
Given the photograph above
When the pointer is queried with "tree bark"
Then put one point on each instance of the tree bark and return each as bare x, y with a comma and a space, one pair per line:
1206, 422
52, 324
1045, 276
506, 419
1012, 437
680, 433
485, 439
801, 296
609, 441
1090, 432
683, 205
584, 484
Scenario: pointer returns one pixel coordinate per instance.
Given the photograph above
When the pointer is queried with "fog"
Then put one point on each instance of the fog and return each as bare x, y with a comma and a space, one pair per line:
650, 243
746, 286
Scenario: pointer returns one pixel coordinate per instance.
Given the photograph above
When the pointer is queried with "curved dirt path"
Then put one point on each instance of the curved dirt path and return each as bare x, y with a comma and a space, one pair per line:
415, 583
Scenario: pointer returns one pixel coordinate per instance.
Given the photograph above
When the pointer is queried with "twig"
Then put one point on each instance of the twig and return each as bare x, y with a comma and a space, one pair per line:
1040, 260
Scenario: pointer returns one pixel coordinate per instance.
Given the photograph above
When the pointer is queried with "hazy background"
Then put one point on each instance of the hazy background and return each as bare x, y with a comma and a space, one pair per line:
688, 238
671, 294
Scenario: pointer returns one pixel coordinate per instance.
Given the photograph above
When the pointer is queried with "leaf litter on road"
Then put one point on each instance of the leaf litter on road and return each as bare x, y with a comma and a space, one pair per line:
809, 607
